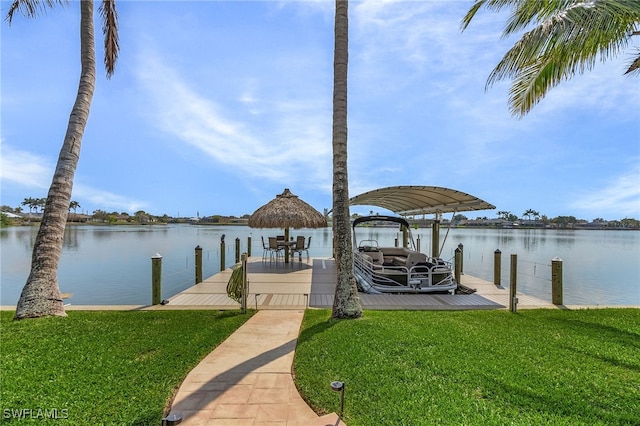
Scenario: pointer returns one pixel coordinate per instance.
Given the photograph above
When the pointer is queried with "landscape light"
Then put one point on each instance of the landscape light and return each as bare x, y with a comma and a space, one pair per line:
172, 419
338, 386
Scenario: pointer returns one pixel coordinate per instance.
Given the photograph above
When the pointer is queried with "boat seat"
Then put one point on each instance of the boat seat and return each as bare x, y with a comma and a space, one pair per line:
377, 258
414, 258
399, 260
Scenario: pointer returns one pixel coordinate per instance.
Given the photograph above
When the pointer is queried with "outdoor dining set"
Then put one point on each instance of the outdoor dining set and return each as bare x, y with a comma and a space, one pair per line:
278, 248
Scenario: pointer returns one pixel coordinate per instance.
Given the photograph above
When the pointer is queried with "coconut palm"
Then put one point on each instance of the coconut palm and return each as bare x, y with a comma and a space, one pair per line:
41, 293
31, 203
74, 205
346, 301
568, 36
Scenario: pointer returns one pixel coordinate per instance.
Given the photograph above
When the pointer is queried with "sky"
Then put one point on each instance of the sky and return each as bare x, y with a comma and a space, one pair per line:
216, 106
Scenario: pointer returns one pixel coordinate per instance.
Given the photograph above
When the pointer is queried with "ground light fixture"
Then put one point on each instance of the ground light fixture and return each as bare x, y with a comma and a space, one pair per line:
338, 386
172, 419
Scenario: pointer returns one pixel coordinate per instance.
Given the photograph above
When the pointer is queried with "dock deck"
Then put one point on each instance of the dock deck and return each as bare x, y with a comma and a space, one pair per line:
310, 283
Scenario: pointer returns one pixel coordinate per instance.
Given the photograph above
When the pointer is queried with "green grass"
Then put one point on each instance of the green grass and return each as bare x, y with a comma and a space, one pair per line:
112, 368
538, 367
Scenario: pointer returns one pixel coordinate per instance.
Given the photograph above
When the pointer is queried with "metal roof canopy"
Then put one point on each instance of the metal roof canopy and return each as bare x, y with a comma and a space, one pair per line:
411, 200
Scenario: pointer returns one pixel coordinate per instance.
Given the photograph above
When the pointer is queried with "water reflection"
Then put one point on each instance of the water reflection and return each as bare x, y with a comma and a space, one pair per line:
111, 264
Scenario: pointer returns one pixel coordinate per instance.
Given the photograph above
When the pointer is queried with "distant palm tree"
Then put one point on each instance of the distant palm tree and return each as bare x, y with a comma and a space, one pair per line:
31, 203
74, 205
346, 302
529, 213
567, 37
40, 204
41, 293
504, 214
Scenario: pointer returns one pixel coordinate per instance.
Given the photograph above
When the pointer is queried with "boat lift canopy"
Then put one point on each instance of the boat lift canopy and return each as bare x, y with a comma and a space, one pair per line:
413, 200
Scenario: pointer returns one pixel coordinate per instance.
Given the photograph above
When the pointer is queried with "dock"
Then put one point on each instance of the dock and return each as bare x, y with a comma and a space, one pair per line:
310, 283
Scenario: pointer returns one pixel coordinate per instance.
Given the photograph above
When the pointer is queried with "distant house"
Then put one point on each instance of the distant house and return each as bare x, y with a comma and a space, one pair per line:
78, 217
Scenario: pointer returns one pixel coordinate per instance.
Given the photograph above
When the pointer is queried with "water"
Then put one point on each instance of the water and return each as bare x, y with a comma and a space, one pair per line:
112, 264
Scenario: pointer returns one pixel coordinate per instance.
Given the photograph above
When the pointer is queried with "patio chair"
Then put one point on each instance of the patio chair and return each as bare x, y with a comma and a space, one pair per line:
299, 248
275, 249
304, 248
265, 250
308, 245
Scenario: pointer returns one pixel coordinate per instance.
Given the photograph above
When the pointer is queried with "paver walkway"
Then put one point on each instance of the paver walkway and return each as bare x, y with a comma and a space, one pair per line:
247, 379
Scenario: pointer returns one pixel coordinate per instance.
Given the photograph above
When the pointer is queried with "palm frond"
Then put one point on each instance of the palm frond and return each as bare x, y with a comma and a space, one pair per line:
568, 37
110, 31
30, 8
634, 67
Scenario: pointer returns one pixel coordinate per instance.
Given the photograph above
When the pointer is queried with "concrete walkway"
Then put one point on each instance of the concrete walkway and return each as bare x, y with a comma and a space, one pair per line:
247, 379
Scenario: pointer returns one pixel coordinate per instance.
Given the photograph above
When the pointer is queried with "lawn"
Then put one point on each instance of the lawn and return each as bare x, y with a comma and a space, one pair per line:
536, 367
111, 368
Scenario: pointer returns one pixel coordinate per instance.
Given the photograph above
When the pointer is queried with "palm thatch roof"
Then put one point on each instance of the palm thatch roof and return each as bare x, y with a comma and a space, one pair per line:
287, 211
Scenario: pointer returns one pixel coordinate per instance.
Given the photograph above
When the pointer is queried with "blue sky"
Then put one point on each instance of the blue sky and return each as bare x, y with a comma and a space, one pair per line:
217, 106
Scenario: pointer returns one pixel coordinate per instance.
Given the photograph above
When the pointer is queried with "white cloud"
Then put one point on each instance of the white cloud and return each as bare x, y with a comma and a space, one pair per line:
621, 197
24, 168
275, 139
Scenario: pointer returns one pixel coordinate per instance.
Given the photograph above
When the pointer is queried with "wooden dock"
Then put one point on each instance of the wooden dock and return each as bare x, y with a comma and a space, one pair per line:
310, 283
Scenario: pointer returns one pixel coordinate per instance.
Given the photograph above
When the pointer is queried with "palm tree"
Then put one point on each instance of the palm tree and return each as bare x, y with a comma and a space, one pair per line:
41, 293
504, 214
529, 213
346, 302
40, 204
31, 203
74, 205
567, 37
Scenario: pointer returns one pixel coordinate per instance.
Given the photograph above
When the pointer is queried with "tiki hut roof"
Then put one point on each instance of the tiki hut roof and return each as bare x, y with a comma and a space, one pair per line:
287, 211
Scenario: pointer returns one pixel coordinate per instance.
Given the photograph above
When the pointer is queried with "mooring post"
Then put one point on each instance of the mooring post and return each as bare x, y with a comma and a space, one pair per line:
556, 281
435, 238
461, 247
156, 279
223, 264
249, 246
237, 249
405, 237
198, 264
497, 267
458, 264
513, 287
245, 286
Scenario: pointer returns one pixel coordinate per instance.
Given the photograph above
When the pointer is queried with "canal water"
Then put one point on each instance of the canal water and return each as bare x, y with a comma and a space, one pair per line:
105, 265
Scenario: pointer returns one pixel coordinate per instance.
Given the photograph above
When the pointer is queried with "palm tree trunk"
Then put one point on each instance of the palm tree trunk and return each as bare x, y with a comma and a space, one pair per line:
41, 294
346, 302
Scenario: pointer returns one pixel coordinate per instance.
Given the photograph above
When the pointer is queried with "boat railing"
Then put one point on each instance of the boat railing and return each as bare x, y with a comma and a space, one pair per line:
378, 274
437, 274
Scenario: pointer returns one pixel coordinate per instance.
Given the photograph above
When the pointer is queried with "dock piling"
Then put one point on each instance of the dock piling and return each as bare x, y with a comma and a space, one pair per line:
458, 264
156, 279
497, 268
198, 264
556, 281
222, 253
245, 286
513, 299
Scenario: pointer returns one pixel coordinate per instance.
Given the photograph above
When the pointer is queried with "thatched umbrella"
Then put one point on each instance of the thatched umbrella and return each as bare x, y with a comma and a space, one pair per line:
287, 211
